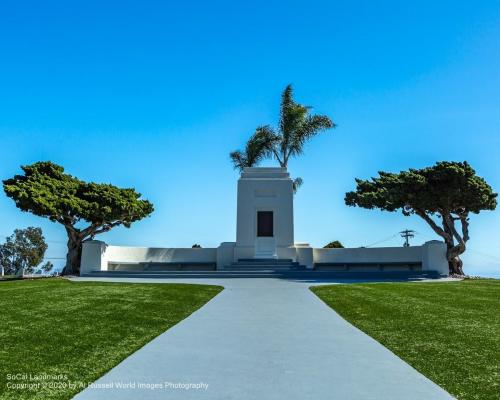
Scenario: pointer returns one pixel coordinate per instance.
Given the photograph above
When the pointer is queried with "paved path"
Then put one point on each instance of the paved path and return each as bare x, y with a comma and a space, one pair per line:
265, 339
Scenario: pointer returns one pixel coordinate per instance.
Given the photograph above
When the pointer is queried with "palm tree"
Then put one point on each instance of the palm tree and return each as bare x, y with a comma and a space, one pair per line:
296, 127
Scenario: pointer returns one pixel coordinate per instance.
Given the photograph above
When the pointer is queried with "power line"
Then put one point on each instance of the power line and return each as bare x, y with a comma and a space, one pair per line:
382, 241
424, 235
407, 233
469, 249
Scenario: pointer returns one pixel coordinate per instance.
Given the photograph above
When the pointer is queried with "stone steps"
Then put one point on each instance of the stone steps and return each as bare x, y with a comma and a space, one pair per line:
270, 265
267, 268
266, 260
263, 268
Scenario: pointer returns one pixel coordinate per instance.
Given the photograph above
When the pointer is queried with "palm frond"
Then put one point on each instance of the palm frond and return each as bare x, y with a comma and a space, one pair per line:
239, 160
259, 146
314, 124
297, 182
310, 126
291, 116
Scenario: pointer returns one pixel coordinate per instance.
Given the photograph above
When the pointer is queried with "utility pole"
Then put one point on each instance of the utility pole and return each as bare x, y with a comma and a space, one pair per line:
407, 234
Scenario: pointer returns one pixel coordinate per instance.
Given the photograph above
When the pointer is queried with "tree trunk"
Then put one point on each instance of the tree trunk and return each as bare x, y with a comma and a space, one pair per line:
454, 261
73, 257
454, 250
449, 234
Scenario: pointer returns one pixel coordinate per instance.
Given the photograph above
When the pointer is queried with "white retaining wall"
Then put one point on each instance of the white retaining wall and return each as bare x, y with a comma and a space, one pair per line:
432, 255
145, 254
96, 255
374, 254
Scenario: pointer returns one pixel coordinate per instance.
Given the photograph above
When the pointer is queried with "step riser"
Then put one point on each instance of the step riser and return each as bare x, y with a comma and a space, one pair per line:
272, 260
283, 267
260, 264
203, 272
265, 263
252, 268
260, 269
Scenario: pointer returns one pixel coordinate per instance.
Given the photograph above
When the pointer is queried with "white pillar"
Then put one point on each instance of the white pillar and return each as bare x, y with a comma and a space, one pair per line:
305, 255
93, 257
225, 254
434, 257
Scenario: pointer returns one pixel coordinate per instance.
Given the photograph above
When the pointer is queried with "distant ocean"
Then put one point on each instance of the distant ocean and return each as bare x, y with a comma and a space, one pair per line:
482, 273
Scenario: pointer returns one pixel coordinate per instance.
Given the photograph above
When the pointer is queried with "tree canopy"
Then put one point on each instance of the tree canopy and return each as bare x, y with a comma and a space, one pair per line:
23, 251
85, 209
442, 195
334, 245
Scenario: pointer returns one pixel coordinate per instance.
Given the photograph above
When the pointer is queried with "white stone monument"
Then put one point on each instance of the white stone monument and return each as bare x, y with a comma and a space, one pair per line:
264, 225
264, 230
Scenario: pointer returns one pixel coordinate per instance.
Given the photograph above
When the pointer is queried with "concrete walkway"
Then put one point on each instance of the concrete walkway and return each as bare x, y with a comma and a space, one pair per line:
263, 339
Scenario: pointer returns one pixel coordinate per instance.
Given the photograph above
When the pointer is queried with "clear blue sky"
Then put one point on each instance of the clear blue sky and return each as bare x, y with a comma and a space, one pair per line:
154, 95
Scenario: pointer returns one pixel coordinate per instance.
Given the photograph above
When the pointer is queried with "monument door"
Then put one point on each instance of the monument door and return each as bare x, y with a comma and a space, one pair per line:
265, 243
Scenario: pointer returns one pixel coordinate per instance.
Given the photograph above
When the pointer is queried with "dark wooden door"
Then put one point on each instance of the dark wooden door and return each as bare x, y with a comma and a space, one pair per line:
265, 223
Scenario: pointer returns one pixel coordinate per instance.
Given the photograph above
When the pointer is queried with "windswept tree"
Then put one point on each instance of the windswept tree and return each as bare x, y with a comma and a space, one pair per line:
23, 251
85, 209
296, 127
443, 195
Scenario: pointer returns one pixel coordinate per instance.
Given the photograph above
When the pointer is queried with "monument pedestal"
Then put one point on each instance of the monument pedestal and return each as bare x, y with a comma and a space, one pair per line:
264, 226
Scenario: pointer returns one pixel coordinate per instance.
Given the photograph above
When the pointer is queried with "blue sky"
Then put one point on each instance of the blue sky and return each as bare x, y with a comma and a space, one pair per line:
154, 95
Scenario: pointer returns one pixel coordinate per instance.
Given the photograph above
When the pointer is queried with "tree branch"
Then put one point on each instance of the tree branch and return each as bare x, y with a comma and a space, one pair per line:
448, 220
433, 225
465, 228
463, 217
106, 228
88, 230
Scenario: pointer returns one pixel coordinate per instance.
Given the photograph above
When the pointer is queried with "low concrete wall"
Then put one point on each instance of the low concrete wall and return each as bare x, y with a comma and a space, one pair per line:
368, 255
432, 256
96, 255
150, 254
287, 252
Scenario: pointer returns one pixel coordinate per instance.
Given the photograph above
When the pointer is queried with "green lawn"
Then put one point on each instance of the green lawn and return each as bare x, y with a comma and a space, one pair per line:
449, 331
82, 329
